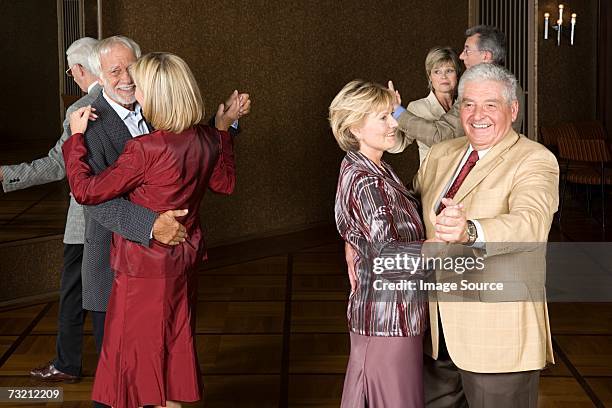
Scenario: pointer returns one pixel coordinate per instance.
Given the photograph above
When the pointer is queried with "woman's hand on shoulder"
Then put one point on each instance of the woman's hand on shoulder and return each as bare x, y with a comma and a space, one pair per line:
79, 118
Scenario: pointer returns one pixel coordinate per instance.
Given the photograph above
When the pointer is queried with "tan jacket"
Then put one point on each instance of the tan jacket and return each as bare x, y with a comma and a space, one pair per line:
513, 193
427, 108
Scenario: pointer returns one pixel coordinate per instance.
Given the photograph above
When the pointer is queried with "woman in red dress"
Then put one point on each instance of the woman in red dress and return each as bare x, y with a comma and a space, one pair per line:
148, 355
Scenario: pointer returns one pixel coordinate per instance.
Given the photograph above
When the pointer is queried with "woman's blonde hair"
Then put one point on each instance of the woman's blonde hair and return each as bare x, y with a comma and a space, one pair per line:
172, 99
350, 107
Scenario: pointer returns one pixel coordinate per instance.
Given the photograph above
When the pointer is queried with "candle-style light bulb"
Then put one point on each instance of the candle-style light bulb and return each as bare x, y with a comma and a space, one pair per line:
546, 16
573, 28
561, 13
559, 32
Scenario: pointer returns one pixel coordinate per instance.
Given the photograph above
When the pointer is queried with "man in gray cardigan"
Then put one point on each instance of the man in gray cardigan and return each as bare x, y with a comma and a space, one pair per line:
67, 364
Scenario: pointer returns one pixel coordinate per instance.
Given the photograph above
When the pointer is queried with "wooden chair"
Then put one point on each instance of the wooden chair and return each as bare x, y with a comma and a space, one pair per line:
550, 138
585, 163
551, 134
592, 129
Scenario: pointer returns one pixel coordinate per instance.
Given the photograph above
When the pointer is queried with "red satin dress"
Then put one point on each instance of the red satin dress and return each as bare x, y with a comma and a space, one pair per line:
148, 355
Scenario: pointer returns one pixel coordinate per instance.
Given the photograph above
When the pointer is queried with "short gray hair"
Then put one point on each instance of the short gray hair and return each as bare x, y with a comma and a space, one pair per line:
80, 51
490, 72
104, 46
490, 39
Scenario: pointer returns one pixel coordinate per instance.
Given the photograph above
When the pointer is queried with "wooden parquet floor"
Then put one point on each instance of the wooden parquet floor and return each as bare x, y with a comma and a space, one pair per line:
271, 332
271, 329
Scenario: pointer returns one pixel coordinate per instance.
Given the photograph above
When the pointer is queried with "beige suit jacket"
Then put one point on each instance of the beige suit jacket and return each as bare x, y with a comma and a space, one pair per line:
427, 108
513, 193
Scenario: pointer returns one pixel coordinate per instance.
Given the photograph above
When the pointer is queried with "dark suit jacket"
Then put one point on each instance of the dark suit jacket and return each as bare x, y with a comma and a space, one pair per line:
105, 139
161, 171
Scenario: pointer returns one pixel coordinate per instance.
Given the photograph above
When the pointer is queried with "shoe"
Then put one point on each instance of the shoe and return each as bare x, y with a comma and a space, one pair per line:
48, 372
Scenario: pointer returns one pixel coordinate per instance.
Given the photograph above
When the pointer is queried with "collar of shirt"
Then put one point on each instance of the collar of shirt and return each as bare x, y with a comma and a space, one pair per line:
133, 119
122, 111
481, 154
91, 86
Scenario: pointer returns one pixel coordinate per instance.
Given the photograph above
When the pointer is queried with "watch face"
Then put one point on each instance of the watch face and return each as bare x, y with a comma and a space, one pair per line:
471, 229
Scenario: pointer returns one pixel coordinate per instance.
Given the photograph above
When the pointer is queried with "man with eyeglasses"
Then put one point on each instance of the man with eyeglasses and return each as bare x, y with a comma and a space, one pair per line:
483, 45
66, 366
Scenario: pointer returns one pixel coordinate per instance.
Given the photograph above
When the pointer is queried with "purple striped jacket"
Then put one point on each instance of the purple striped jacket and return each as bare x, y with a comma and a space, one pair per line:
380, 218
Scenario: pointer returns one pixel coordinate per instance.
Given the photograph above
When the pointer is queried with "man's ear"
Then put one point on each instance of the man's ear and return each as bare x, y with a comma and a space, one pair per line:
515, 108
487, 57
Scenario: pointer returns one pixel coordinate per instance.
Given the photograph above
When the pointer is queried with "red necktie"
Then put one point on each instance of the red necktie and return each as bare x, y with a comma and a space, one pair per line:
465, 170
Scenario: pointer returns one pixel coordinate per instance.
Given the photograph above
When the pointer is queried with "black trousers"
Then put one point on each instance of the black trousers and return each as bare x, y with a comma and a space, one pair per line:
71, 318
69, 343
446, 385
97, 318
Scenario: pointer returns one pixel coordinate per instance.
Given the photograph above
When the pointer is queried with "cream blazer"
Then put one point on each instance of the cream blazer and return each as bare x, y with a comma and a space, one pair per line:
427, 108
513, 193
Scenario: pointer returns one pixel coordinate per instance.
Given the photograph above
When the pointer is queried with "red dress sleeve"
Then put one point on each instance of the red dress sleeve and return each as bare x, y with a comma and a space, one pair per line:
223, 178
126, 173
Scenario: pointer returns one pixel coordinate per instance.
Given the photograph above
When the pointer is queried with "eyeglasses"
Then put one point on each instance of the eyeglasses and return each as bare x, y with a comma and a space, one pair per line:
69, 71
443, 72
468, 52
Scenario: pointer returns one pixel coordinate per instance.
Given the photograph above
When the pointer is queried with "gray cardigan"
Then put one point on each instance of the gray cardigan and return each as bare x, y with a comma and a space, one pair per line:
51, 168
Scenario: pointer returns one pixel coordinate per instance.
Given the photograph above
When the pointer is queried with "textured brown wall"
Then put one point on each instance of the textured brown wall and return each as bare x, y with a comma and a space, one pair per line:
29, 80
567, 75
293, 57
605, 65
30, 268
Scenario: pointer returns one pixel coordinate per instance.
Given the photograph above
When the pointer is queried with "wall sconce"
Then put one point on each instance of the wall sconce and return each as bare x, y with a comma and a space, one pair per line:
559, 26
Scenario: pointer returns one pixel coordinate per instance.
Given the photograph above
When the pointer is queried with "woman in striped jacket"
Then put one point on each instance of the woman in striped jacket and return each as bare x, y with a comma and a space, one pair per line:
378, 217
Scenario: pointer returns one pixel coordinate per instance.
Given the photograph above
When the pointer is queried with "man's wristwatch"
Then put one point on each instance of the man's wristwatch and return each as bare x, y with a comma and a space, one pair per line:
472, 233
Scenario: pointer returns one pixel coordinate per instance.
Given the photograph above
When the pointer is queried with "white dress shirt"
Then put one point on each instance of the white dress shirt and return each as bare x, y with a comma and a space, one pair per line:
133, 119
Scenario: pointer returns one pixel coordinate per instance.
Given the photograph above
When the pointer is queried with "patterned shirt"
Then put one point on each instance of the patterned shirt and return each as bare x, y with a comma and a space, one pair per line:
377, 215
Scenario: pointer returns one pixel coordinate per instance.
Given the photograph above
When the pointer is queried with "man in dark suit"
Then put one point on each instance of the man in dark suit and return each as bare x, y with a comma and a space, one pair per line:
119, 119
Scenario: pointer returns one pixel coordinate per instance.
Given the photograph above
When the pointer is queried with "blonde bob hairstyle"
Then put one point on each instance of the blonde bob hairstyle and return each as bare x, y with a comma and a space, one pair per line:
351, 106
171, 97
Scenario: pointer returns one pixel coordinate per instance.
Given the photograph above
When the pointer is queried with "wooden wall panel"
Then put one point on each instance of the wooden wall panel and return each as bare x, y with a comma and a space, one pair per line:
30, 103
567, 75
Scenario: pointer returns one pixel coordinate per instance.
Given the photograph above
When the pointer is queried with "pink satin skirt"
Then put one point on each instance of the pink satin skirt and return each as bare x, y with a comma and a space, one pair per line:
384, 372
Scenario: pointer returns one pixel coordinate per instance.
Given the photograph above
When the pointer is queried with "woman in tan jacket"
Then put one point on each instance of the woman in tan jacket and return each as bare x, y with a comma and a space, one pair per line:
443, 69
